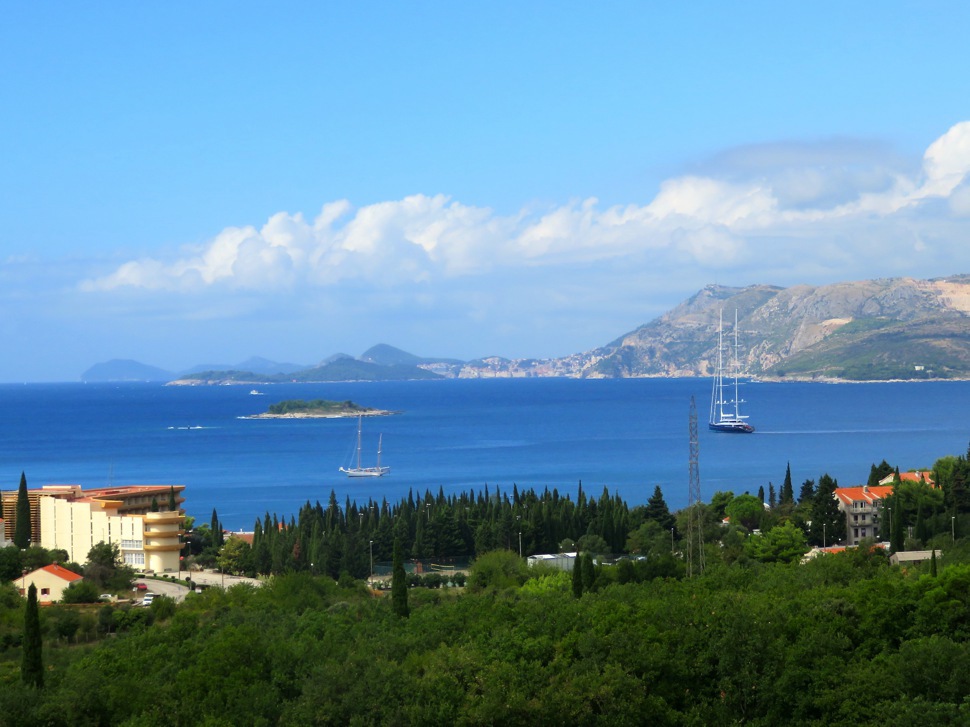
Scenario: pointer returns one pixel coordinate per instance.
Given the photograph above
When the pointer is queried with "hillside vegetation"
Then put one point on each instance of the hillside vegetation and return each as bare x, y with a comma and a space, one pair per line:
898, 328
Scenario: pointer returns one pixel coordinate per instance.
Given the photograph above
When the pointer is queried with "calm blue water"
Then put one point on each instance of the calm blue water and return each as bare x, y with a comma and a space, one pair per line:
627, 435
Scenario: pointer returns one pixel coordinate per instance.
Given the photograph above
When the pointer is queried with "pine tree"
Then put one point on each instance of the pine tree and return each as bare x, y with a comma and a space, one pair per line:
772, 498
657, 510
828, 521
399, 583
32, 666
21, 533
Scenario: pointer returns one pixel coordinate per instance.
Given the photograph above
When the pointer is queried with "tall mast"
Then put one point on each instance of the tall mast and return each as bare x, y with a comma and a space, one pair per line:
737, 365
360, 418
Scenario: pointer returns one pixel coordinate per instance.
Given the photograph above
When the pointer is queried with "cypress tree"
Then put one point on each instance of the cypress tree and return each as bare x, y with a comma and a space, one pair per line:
589, 572
933, 563
155, 504
32, 666
399, 583
787, 494
896, 538
216, 527
172, 503
578, 576
21, 533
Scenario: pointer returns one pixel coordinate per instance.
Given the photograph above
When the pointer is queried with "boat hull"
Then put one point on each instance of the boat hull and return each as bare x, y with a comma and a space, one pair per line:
731, 427
366, 471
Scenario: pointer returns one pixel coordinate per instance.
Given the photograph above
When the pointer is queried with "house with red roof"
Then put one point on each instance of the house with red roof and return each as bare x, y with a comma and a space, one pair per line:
50, 582
862, 506
915, 477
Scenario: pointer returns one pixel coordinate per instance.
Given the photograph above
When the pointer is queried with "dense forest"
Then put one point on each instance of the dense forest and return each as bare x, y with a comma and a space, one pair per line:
758, 636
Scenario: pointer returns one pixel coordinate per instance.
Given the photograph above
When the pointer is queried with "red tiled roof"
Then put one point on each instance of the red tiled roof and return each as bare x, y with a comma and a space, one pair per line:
848, 495
927, 477
61, 572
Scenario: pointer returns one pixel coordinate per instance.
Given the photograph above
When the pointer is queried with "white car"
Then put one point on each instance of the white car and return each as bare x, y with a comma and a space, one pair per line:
147, 600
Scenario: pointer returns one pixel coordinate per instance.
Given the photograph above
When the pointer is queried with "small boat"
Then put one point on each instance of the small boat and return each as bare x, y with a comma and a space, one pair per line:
725, 401
360, 471
255, 392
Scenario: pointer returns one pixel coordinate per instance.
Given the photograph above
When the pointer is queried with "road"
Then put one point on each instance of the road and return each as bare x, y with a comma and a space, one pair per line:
177, 591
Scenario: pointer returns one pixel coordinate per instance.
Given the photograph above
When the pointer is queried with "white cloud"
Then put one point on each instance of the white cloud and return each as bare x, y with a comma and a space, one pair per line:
792, 211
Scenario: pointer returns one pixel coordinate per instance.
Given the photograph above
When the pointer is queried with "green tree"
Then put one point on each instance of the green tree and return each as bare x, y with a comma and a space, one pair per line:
787, 494
745, 510
658, 511
589, 571
782, 544
577, 577
32, 666
218, 540
828, 521
172, 502
877, 472
497, 570
235, 556
105, 569
21, 533
81, 591
399, 584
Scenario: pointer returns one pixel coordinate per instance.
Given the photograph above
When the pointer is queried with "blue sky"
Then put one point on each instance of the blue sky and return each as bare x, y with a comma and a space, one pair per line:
184, 185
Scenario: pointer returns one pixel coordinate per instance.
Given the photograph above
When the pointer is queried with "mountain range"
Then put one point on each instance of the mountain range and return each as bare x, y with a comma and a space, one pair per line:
896, 328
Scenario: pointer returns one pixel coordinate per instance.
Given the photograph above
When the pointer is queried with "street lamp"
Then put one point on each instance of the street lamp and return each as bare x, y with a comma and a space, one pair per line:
520, 543
671, 541
953, 528
372, 559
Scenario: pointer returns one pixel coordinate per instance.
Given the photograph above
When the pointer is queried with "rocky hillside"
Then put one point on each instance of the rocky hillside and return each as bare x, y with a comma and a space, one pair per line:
897, 328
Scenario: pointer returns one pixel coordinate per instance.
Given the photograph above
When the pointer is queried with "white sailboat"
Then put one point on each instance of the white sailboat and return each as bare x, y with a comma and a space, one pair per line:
360, 471
725, 399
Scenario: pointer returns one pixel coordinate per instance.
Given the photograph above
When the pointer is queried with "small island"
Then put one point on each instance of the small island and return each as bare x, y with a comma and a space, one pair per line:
316, 409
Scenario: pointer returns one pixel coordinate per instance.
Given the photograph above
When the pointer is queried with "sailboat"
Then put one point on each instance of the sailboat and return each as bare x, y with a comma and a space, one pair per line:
360, 471
725, 402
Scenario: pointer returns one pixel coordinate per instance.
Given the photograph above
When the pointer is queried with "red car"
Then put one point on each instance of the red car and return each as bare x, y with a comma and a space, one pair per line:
141, 587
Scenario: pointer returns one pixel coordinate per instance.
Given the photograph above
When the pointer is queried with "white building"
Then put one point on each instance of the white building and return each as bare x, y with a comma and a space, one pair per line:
147, 541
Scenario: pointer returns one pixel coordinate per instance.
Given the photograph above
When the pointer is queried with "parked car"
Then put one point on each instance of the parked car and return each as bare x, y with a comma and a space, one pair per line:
147, 600
106, 597
141, 587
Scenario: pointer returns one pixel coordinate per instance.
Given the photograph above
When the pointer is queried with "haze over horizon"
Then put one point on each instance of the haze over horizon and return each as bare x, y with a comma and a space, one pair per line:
190, 184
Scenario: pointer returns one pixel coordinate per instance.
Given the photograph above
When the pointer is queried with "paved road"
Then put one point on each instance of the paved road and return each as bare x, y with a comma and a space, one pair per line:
161, 588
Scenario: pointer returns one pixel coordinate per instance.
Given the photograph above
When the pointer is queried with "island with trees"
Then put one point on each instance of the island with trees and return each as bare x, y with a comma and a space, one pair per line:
316, 408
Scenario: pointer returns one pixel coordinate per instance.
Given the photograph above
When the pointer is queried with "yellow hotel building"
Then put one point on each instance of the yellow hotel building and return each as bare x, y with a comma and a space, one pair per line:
76, 520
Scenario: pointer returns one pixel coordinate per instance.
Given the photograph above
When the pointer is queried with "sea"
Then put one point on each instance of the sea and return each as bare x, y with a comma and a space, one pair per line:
625, 435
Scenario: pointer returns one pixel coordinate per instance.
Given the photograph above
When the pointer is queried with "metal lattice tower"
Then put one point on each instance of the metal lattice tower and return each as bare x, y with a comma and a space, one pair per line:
695, 515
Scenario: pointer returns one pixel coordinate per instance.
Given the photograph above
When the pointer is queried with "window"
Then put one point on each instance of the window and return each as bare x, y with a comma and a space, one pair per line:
45, 591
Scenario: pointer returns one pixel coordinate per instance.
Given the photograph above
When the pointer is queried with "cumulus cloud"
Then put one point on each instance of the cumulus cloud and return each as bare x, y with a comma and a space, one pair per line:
816, 207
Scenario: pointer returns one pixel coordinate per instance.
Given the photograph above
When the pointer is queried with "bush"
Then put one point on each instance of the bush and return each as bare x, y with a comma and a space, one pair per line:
497, 569
83, 591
